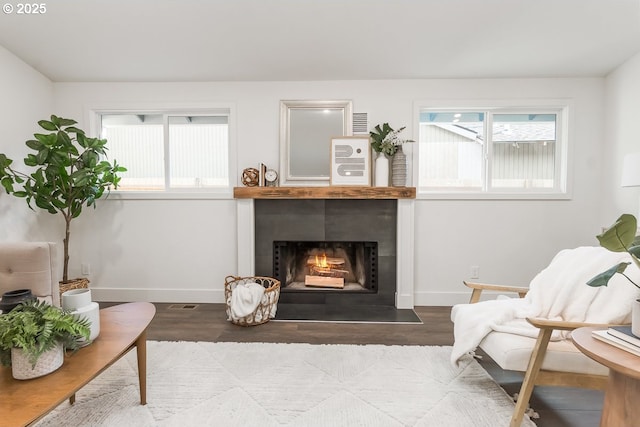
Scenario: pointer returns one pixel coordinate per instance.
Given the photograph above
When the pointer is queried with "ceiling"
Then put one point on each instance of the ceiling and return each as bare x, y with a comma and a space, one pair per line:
281, 40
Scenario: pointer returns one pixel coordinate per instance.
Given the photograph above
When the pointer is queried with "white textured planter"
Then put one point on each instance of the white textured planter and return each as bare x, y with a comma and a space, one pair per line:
48, 362
635, 318
78, 301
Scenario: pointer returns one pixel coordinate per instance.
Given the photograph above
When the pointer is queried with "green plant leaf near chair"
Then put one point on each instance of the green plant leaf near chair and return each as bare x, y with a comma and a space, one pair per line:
619, 237
68, 172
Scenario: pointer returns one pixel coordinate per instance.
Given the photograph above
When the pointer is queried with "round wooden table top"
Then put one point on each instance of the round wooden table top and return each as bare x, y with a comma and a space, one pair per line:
610, 356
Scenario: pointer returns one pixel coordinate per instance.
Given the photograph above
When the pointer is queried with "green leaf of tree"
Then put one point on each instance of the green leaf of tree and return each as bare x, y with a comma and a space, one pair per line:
603, 278
42, 155
47, 125
7, 183
31, 160
620, 236
67, 122
75, 130
34, 144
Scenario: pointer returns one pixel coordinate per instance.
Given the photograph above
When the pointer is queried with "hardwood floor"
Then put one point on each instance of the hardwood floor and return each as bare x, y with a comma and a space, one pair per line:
558, 407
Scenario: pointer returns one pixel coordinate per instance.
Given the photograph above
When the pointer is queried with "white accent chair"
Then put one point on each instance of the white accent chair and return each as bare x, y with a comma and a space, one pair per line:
30, 265
530, 334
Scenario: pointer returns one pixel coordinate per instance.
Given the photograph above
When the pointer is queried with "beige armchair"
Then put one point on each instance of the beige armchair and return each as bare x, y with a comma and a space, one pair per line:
527, 335
30, 265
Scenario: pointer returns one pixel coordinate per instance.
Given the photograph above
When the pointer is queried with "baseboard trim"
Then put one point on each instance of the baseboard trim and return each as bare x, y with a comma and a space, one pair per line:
217, 296
158, 295
450, 298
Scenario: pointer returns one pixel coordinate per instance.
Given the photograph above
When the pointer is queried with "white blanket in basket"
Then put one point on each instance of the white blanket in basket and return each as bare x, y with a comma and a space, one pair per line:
245, 298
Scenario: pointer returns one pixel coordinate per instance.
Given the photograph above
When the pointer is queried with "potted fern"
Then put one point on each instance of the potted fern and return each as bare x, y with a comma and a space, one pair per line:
34, 335
68, 172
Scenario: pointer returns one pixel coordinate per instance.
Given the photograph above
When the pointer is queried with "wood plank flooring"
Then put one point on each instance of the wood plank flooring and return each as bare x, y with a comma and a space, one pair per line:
558, 407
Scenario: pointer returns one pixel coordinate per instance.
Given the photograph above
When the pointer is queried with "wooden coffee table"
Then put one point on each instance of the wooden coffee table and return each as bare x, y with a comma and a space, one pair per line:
122, 327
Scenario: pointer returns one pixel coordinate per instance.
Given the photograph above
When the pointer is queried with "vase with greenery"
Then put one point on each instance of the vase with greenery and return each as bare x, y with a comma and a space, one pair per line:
621, 237
386, 142
35, 328
68, 171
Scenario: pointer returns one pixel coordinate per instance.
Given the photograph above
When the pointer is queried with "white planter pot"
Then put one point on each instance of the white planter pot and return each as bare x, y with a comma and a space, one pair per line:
382, 171
78, 301
48, 362
635, 318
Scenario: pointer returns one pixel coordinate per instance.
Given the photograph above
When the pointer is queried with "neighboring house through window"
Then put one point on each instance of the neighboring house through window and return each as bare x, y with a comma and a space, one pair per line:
504, 151
169, 151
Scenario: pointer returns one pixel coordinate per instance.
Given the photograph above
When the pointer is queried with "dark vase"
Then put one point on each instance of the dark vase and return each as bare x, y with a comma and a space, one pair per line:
11, 299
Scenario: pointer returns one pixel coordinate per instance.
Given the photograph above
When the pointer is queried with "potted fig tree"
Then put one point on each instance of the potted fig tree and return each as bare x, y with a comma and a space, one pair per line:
68, 170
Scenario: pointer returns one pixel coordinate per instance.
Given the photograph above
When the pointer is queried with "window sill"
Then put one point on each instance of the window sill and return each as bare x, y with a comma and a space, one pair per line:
218, 194
491, 196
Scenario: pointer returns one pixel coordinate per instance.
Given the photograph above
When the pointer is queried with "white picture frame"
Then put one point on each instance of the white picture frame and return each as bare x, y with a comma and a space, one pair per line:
350, 161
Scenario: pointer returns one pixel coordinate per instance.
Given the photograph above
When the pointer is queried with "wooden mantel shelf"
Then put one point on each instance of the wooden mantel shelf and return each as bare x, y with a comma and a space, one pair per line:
331, 192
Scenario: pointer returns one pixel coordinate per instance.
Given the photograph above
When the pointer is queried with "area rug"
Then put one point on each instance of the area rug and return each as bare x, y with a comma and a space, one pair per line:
257, 384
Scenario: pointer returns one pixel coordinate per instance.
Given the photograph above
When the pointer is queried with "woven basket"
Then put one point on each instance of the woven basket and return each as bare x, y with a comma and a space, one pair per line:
73, 284
266, 310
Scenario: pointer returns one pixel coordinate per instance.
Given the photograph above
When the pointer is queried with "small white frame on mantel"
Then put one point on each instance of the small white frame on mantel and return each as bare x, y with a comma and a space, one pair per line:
405, 247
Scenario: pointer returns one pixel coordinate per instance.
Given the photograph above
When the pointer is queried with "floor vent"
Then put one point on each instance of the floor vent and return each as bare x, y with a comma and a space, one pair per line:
183, 306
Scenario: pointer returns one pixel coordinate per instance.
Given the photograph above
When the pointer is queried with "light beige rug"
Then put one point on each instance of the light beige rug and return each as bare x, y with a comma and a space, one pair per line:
235, 384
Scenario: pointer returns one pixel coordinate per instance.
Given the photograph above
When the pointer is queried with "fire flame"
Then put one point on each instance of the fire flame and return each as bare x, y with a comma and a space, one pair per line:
322, 261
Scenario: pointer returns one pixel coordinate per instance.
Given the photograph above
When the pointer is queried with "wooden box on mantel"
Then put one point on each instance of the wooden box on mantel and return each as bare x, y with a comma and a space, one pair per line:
331, 192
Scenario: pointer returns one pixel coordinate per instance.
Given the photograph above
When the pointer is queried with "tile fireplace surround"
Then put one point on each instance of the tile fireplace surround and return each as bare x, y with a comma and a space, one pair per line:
402, 197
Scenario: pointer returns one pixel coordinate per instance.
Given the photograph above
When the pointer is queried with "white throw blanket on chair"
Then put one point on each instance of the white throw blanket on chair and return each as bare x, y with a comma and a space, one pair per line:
245, 298
559, 292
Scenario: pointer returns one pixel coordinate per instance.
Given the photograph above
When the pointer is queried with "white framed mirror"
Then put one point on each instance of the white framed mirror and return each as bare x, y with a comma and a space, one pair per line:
306, 129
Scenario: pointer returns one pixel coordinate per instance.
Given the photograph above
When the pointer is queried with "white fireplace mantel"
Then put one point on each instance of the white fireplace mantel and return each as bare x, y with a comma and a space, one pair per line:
405, 250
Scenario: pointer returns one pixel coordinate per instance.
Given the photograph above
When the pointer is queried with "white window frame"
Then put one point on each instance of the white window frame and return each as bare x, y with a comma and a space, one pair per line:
562, 185
94, 118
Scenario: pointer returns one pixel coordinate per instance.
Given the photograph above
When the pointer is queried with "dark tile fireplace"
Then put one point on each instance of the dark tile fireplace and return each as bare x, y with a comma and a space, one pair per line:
359, 236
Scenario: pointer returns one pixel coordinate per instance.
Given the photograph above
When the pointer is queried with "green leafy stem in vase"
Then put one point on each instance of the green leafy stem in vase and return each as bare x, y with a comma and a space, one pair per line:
386, 140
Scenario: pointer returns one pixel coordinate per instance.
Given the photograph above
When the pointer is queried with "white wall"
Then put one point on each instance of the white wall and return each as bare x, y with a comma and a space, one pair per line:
182, 250
26, 97
622, 137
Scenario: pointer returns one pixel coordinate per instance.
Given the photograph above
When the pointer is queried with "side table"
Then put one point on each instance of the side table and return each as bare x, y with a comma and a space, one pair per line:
622, 394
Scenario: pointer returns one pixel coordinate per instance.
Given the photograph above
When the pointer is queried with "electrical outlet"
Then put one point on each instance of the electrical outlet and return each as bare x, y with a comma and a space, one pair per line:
86, 269
475, 271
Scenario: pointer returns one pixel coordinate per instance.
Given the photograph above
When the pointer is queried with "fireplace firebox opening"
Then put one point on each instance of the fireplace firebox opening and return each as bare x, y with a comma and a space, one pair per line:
308, 266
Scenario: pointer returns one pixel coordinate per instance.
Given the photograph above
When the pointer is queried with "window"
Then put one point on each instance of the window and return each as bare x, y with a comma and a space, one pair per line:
169, 151
492, 151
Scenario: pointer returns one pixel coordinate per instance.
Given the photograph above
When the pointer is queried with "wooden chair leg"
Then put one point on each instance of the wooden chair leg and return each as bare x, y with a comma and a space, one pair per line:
475, 296
529, 381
